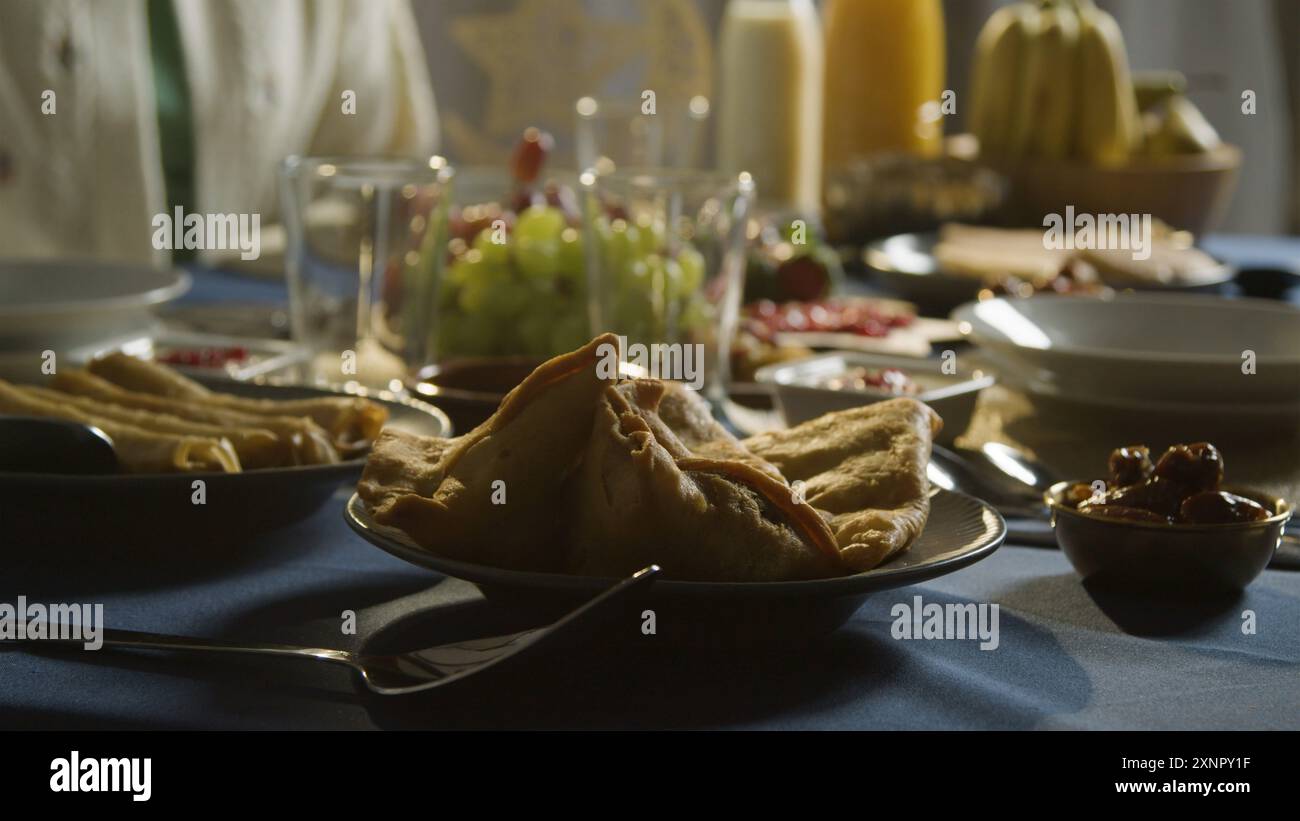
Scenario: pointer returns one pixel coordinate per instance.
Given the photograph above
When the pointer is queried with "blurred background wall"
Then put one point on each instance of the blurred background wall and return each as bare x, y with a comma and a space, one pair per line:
501, 65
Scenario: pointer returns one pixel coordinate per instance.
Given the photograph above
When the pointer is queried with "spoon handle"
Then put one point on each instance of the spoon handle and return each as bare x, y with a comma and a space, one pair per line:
134, 639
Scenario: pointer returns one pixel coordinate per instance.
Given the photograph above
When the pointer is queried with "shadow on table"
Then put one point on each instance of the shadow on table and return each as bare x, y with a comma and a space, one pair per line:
27, 718
856, 677
143, 689
72, 573
215, 691
615, 677
1102, 608
610, 682
1163, 614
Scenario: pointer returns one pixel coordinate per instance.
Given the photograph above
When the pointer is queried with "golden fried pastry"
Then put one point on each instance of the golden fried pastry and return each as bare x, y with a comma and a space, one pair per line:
493, 495
866, 468
352, 422
603, 479
402, 463
308, 443
641, 497
256, 447
689, 417
138, 449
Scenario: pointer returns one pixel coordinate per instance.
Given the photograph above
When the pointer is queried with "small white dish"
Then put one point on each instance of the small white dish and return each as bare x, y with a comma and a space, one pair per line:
801, 393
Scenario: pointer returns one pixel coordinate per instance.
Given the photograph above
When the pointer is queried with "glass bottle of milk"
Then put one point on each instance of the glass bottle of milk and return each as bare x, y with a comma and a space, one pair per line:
770, 99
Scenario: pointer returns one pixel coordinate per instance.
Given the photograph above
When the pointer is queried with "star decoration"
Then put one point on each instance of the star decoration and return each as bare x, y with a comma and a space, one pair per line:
542, 55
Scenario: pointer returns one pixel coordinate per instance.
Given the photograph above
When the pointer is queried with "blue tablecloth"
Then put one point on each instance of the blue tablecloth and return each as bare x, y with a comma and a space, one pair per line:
1066, 657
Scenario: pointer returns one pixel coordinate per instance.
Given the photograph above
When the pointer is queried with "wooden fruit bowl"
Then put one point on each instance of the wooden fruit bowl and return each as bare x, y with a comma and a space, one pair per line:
1190, 192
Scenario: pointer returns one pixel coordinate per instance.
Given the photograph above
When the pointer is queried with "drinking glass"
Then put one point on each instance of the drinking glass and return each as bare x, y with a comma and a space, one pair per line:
365, 250
610, 133
666, 252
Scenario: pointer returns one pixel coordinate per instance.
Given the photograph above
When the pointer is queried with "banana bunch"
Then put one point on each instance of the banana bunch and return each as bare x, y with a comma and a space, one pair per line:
1171, 124
1051, 79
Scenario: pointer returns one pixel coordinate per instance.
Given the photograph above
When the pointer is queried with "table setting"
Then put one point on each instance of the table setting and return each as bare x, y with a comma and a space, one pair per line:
795, 407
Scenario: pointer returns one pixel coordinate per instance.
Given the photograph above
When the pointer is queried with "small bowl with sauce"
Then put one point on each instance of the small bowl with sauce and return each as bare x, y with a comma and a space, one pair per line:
470, 389
810, 387
1159, 556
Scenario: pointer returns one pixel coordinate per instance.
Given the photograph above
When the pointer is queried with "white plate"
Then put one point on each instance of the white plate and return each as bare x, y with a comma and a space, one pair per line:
63, 303
1163, 348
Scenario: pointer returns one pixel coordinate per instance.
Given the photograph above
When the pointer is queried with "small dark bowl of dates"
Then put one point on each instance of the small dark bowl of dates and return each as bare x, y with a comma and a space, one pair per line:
1167, 524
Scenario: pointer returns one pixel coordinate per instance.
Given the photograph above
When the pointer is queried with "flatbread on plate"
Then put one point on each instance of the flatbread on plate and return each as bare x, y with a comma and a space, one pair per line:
574, 473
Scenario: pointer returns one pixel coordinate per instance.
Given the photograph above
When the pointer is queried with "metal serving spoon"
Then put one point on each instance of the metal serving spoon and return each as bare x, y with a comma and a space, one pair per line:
389, 675
1010, 495
40, 445
1017, 466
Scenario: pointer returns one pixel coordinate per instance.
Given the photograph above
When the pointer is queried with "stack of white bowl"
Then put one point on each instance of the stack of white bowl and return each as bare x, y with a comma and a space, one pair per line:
1234, 360
73, 306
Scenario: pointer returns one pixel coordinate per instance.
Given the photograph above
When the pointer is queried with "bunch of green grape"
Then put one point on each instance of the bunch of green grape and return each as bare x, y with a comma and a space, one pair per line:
524, 289
516, 291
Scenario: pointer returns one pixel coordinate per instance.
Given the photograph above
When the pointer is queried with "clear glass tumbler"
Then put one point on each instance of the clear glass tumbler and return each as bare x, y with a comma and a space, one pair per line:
666, 252
612, 133
366, 243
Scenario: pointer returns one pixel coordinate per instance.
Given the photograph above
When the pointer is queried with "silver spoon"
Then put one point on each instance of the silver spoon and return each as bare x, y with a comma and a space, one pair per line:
1018, 466
957, 472
388, 675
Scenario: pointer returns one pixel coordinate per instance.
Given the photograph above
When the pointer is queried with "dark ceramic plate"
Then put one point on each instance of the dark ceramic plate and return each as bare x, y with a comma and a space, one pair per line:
129, 514
961, 530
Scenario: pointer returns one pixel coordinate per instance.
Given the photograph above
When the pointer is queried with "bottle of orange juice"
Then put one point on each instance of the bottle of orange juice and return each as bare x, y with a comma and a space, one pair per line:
884, 79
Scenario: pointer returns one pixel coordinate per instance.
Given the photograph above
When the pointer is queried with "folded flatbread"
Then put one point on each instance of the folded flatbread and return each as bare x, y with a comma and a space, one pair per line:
604, 479
690, 418
256, 447
352, 422
307, 442
138, 450
493, 495
642, 497
992, 254
865, 467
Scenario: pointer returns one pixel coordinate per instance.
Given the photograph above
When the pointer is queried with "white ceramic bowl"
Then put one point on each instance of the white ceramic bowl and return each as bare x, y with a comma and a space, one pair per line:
65, 303
1169, 348
801, 396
